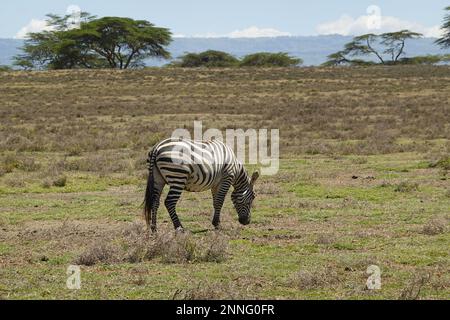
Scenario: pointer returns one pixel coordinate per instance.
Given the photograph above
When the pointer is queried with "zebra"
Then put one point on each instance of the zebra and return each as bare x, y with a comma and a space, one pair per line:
196, 166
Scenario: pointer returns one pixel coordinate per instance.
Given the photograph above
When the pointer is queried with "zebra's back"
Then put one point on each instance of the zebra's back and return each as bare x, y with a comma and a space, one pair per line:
194, 166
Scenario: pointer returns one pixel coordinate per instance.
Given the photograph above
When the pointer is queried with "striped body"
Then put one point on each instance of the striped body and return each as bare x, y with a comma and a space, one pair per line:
196, 166
203, 163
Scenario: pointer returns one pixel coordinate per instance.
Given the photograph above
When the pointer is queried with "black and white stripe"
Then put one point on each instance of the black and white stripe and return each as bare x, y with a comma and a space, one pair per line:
196, 166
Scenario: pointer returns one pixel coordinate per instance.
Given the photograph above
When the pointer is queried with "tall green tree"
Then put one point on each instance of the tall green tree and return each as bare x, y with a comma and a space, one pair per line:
444, 42
122, 42
386, 48
109, 42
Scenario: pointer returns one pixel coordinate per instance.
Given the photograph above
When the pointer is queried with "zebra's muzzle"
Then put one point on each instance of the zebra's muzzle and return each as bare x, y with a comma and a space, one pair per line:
244, 221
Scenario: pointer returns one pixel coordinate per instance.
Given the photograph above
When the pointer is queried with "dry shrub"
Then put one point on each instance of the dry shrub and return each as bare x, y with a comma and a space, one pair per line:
59, 181
104, 164
308, 280
268, 188
442, 162
215, 248
15, 182
434, 227
176, 248
9, 163
415, 286
136, 245
98, 253
13, 161
360, 160
326, 239
17, 142
209, 291
406, 186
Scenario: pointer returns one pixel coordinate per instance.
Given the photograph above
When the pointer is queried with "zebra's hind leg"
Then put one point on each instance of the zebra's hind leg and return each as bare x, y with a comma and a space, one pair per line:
155, 207
158, 186
219, 193
171, 202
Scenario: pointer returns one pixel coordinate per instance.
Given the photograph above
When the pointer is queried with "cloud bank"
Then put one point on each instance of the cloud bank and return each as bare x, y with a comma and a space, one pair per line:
35, 25
347, 25
250, 32
255, 32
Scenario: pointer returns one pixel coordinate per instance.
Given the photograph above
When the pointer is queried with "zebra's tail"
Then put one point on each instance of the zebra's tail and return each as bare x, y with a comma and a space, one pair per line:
148, 200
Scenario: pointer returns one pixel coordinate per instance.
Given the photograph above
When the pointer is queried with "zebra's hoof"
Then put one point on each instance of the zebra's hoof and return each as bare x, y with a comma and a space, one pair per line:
216, 224
179, 230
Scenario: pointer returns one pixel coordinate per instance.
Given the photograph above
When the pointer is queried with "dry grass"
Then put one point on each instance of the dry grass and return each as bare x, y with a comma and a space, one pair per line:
98, 253
435, 227
135, 245
319, 278
363, 180
414, 287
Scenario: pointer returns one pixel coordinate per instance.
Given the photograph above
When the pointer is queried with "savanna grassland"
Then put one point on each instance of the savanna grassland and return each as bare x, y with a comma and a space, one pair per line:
363, 181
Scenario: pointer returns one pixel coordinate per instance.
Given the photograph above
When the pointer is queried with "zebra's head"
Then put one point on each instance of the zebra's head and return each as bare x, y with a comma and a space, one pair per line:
243, 199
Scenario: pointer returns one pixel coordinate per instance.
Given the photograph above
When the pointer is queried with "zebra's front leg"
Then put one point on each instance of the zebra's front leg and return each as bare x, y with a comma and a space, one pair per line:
171, 202
219, 195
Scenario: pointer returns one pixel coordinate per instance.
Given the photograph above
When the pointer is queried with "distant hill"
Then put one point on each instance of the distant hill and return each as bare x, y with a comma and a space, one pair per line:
9, 48
312, 49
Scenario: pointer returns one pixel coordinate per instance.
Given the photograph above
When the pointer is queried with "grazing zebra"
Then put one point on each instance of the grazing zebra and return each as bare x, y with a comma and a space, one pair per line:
196, 166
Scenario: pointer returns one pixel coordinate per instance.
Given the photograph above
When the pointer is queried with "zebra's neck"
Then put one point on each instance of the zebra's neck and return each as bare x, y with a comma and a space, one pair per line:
242, 180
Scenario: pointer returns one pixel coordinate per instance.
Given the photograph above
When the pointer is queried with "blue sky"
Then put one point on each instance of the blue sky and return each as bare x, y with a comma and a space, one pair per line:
239, 17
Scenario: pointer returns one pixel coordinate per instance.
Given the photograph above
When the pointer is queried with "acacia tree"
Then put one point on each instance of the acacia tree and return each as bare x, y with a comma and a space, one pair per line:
386, 48
109, 42
122, 42
52, 49
444, 42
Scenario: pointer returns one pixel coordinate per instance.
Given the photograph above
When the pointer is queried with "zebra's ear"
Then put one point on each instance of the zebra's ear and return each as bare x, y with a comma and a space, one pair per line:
255, 177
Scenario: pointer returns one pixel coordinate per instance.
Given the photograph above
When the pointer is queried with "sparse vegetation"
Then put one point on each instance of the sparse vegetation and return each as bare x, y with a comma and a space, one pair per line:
435, 227
351, 140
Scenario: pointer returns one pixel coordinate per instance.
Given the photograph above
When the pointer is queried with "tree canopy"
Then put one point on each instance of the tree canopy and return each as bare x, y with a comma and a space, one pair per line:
267, 59
208, 59
444, 41
220, 59
109, 42
386, 48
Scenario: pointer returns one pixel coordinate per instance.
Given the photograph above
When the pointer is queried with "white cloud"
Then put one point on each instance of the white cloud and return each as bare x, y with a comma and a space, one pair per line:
255, 32
73, 9
37, 25
34, 25
251, 32
347, 25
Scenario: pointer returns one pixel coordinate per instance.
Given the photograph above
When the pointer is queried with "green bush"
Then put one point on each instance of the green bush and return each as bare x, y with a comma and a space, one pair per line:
267, 59
209, 59
5, 68
424, 60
